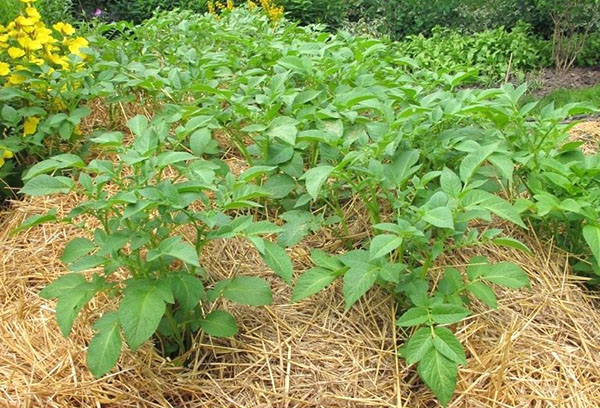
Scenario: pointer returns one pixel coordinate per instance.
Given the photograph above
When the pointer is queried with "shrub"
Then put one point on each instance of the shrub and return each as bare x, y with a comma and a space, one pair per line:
329, 12
491, 52
574, 21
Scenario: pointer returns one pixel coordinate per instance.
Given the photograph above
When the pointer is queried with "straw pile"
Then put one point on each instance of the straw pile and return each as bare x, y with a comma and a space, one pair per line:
588, 133
540, 349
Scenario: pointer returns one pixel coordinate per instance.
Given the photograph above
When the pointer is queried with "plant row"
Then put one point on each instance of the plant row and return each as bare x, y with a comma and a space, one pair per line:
321, 122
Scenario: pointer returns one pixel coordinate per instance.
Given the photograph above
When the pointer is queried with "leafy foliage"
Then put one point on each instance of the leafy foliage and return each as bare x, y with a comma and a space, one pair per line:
323, 123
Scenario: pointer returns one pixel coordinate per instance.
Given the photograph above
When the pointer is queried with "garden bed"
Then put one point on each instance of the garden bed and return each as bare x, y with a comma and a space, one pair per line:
540, 348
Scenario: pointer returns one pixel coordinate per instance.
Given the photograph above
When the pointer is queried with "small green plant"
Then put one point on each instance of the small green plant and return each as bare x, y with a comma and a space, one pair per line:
141, 255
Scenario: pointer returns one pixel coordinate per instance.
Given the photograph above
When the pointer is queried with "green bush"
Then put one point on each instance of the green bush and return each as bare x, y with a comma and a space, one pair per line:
490, 52
135, 10
409, 17
330, 12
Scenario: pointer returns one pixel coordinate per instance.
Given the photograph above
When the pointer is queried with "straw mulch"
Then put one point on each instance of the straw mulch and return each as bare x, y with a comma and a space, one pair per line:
540, 349
589, 134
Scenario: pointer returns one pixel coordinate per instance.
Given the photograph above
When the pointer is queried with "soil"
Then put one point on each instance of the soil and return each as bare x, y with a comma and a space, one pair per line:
549, 80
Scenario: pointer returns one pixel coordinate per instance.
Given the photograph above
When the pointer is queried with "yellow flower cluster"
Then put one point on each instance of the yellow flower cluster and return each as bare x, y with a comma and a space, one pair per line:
27, 40
275, 13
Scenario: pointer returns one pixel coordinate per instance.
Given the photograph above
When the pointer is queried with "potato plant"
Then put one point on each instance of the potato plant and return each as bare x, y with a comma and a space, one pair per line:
141, 204
320, 121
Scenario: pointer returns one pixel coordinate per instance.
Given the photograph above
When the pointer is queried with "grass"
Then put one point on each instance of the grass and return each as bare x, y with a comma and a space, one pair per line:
9, 9
562, 97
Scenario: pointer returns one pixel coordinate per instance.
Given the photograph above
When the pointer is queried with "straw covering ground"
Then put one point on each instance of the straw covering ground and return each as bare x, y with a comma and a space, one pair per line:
541, 348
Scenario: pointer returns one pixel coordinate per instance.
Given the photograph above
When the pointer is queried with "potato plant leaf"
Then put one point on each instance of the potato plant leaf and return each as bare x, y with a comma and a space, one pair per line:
105, 347
219, 323
357, 281
439, 373
278, 259
312, 281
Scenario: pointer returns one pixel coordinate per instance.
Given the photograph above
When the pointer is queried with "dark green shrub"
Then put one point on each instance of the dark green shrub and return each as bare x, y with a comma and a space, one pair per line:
134, 10
330, 12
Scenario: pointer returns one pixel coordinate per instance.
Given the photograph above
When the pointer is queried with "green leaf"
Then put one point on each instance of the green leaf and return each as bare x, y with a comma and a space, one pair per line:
277, 259
284, 128
312, 281
177, 248
70, 303
484, 293
140, 312
76, 249
138, 125
450, 183
591, 234
447, 344
187, 289
418, 345
440, 374
383, 244
477, 265
199, 141
443, 313
324, 260
168, 158
86, 262
248, 290
113, 139
280, 186
34, 220
219, 323
357, 281
473, 160
10, 114
512, 243
105, 347
45, 185
65, 283
413, 317
61, 161
440, 217
506, 274
315, 178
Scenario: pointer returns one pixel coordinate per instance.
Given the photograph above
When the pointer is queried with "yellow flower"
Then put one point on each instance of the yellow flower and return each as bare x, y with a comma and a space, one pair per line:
64, 29
37, 61
15, 52
16, 79
32, 12
4, 69
27, 1
76, 44
251, 5
230, 5
29, 44
7, 154
26, 21
30, 126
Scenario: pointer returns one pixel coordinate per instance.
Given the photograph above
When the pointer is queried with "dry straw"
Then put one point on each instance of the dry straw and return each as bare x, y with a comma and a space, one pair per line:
589, 134
540, 349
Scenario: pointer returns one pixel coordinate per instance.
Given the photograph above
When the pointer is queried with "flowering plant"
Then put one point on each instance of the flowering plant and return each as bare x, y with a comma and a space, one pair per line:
274, 12
40, 72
